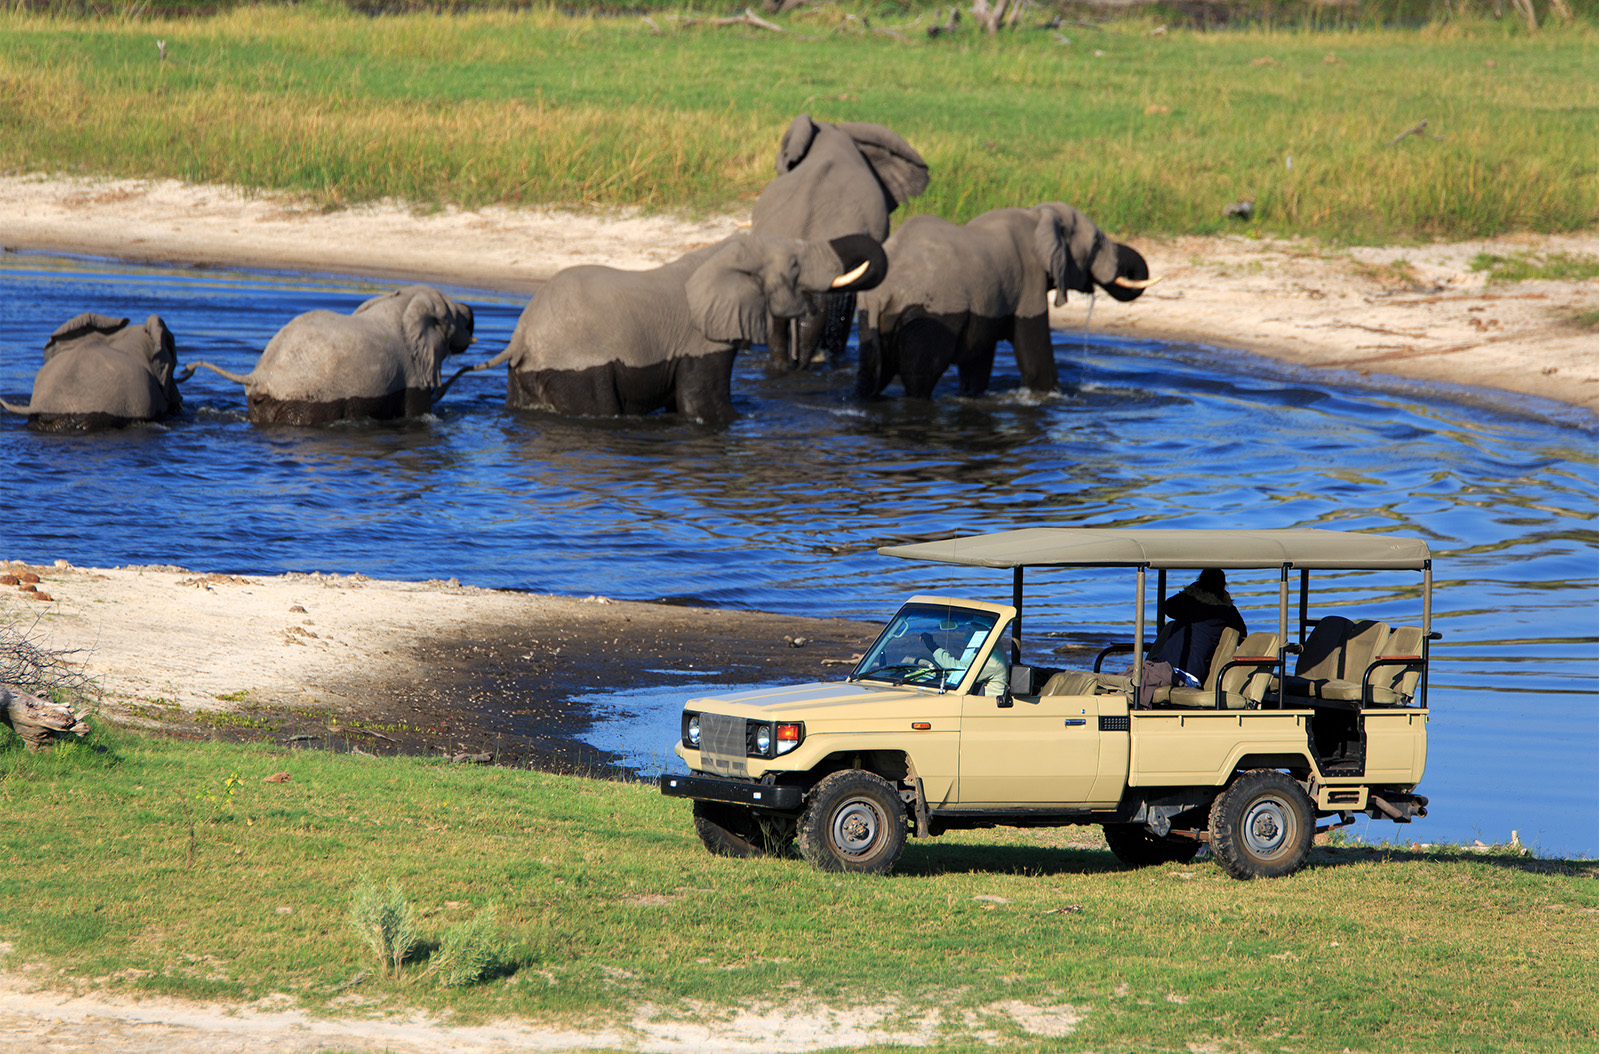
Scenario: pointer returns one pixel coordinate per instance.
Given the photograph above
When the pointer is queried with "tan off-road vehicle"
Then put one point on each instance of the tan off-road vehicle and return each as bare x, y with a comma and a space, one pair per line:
942, 726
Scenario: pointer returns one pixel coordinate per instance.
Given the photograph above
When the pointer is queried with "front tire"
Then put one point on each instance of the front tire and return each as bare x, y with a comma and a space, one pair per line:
854, 821
732, 830
1262, 825
1135, 846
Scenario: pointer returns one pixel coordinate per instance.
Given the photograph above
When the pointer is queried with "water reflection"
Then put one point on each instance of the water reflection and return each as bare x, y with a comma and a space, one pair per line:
782, 510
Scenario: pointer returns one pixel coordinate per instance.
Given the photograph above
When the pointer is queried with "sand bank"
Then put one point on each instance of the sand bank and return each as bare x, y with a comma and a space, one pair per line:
1417, 311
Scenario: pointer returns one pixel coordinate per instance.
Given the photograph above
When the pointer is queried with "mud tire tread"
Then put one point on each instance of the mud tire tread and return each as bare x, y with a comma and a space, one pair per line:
853, 788
1230, 815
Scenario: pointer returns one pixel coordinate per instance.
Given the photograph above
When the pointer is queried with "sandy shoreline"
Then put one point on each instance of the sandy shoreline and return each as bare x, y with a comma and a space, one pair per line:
351, 662
1416, 312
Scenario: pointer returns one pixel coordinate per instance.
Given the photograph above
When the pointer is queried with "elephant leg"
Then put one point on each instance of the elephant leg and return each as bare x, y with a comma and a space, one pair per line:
926, 349
975, 357
703, 387
877, 364
1036, 353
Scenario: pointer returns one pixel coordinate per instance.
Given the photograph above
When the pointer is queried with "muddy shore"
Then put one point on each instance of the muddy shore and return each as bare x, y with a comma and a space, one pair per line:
347, 662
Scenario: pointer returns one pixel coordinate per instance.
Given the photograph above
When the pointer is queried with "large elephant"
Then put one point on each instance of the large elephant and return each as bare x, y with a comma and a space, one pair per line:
381, 361
98, 373
604, 342
953, 292
833, 180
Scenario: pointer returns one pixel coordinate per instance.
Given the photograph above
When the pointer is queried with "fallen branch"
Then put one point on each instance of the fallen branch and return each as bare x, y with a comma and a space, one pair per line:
749, 18
1416, 129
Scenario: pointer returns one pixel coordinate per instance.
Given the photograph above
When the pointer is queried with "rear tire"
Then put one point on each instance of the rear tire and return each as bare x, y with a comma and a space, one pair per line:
733, 830
1262, 825
854, 821
1135, 846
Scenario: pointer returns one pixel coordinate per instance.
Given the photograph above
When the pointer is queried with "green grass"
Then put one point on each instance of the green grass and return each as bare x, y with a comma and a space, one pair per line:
1150, 134
1524, 267
171, 867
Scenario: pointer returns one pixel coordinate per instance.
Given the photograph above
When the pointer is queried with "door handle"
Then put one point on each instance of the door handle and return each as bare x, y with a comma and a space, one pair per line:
1076, 721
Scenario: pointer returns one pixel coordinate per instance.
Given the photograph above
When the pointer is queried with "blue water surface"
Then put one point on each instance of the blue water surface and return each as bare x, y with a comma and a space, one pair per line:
783, 510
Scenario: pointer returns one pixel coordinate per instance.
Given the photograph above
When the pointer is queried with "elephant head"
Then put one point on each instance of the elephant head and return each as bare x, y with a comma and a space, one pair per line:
434, 326
753, 276
1079, 256
900, 172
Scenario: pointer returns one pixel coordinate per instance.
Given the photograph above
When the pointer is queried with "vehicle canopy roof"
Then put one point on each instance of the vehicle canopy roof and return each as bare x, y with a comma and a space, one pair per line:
1301, 548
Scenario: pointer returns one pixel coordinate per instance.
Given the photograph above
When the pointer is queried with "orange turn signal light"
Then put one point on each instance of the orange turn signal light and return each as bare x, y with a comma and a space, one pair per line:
788, 733
921, 726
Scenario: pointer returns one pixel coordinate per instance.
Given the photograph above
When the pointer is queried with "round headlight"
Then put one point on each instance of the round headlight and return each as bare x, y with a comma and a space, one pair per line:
763, 739
694, 730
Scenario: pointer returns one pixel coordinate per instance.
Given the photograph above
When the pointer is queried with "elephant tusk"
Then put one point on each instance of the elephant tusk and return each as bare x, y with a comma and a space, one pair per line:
1130, 283
849, 277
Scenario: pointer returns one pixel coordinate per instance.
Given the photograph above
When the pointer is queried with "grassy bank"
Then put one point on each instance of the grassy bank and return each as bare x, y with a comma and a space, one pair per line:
1151, 133
175, 868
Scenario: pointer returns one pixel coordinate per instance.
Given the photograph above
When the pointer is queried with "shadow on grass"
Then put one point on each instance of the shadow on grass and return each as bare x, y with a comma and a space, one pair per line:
1506, 859
934, 859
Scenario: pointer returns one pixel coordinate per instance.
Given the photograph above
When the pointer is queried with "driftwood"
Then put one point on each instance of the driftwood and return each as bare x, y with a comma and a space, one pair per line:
1001, 13
952, 20
749, 18
38, 721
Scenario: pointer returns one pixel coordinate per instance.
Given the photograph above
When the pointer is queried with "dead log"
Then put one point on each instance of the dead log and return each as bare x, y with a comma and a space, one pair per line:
38, 721
749, 18
952, 20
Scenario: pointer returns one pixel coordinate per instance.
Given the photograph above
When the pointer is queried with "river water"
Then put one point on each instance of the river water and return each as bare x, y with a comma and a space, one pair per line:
782, 511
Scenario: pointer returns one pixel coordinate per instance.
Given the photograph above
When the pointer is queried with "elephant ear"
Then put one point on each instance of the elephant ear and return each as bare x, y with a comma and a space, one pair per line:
726, 297
422, 322
901, 170
81, 326
1052, 239
796, 142
162, 351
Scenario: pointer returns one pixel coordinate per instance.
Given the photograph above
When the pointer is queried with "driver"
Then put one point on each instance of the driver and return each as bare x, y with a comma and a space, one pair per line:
992, 676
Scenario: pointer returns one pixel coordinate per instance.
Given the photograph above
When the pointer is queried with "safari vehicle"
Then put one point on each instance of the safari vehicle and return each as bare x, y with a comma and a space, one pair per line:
942, 726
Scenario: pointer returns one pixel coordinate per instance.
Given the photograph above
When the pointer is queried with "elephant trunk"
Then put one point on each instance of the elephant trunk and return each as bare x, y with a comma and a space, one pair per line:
234, 377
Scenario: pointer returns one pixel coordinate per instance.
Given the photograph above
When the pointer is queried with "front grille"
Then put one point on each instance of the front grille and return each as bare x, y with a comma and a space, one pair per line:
722, 747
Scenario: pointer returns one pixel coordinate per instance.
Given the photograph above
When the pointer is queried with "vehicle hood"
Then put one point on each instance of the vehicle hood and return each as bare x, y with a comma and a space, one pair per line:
800, 701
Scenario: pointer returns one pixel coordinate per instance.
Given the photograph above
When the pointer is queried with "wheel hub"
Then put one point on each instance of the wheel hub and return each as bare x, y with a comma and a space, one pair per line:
1266, 828
855, 827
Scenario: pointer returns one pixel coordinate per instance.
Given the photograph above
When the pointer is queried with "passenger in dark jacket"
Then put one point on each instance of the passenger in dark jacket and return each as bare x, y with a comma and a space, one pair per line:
1199, 613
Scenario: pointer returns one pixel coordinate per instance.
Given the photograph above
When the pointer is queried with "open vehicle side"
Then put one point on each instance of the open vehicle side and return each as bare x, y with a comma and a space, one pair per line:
943, 726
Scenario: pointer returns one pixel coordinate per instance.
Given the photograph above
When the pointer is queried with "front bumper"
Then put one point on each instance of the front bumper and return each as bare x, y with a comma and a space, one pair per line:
733, 792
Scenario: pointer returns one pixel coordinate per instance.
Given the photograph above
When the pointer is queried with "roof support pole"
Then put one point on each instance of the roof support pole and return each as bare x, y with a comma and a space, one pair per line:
1283, 603
1161, 598
1305, 601
1016, 623
1138, 626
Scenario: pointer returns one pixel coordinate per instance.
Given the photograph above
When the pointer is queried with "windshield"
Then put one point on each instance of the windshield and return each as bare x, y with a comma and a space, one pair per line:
928, 645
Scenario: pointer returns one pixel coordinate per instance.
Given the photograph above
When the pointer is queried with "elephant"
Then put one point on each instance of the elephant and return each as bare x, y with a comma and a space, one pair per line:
833, 180
381, 361
603, 342
98, 373
953, 292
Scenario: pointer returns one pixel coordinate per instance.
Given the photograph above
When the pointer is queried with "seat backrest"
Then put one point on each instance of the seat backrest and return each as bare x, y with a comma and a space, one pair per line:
1227, 645
1069, 682
1319, 658
1251, 682
1404, 642
1364, 644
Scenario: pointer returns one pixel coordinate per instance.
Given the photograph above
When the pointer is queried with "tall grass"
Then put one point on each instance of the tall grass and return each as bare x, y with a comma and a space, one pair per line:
1149, 133
136, 872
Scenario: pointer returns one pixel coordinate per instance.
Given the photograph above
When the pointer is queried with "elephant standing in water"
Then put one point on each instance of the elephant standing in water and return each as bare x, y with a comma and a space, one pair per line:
98, 373
833, 180
381, 361
599, 341
954, 292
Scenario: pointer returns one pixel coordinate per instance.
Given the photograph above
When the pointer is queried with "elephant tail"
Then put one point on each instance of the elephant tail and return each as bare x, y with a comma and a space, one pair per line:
14, 408
234, 377
498, 360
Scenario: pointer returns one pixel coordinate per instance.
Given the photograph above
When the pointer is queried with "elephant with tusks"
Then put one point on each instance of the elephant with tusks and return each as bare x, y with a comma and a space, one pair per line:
833, 180
381, 361
954, 292
100, 373
597, 341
